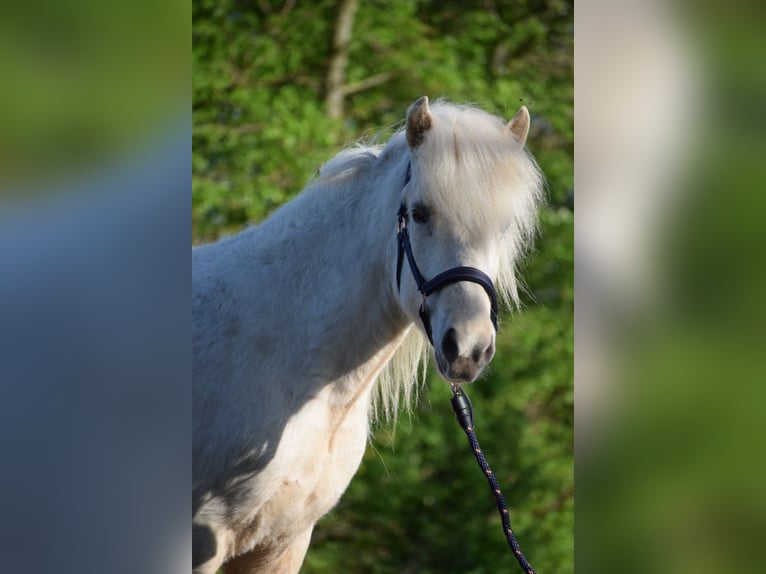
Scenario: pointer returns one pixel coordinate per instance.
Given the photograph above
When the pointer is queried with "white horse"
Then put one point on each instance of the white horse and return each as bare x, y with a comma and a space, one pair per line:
294, 321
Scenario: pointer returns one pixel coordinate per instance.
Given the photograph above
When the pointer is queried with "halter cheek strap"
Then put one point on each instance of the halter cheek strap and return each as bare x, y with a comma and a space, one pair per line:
431, 286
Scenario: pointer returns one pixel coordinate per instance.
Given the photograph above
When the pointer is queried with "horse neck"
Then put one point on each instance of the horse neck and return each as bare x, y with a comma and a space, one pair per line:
351, 281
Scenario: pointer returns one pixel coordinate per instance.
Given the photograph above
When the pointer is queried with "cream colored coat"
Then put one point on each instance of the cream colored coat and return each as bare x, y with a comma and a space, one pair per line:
294, 320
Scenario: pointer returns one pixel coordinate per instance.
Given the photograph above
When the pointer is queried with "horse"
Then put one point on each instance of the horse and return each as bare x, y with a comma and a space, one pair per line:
306, 329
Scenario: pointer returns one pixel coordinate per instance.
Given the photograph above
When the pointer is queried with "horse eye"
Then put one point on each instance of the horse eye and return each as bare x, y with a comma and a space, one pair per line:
419, 214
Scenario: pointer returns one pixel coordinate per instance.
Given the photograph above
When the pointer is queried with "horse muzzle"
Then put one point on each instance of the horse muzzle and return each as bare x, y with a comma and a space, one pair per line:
461, 361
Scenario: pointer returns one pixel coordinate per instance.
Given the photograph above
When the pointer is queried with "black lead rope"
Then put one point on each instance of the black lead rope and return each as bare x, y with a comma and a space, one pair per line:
463, 408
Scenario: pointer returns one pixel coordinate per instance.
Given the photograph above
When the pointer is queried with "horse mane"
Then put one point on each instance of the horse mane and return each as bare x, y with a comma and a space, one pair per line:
485, 145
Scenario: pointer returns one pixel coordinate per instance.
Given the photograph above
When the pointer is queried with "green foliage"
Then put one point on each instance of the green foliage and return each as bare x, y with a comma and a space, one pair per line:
419, 502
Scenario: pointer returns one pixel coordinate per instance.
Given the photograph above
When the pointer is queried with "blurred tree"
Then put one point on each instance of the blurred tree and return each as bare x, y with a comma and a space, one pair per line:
279, 87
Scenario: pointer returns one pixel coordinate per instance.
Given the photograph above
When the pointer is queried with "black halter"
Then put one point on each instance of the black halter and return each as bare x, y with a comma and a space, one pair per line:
428, 287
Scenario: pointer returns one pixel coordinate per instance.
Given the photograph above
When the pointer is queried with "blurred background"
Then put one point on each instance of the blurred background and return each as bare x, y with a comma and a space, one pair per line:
87, 87
95, 403
278, 88
670, 281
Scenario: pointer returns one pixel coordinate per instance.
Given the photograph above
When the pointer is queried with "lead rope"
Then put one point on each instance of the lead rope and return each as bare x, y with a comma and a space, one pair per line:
463, 408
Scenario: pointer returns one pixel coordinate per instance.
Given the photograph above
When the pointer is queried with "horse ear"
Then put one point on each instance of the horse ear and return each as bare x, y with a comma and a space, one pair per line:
419, 121
519, 125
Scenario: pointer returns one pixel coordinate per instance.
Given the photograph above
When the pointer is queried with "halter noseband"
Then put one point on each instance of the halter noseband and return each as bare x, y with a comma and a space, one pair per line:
430, 286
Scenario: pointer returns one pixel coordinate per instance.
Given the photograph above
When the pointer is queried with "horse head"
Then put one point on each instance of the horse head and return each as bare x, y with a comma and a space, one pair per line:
465, 209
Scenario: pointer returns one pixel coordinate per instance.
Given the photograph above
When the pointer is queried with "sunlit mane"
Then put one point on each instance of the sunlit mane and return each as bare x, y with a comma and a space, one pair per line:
484, 180
476, 174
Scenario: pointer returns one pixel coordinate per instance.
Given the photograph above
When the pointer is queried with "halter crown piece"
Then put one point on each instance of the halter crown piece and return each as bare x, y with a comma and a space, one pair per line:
431, 286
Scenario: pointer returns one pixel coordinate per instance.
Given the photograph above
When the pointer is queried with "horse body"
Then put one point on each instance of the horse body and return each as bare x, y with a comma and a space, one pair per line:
295, 422
293, 321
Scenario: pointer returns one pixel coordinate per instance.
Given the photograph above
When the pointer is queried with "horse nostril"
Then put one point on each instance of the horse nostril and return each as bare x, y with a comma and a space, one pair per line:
480, 355
449, 345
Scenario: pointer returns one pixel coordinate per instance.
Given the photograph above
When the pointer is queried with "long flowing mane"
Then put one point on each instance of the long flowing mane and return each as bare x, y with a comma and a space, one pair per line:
503, 178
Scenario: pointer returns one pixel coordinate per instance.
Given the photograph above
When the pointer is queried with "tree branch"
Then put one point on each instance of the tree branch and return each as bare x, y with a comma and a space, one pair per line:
336, 73
367, 83
287, 8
